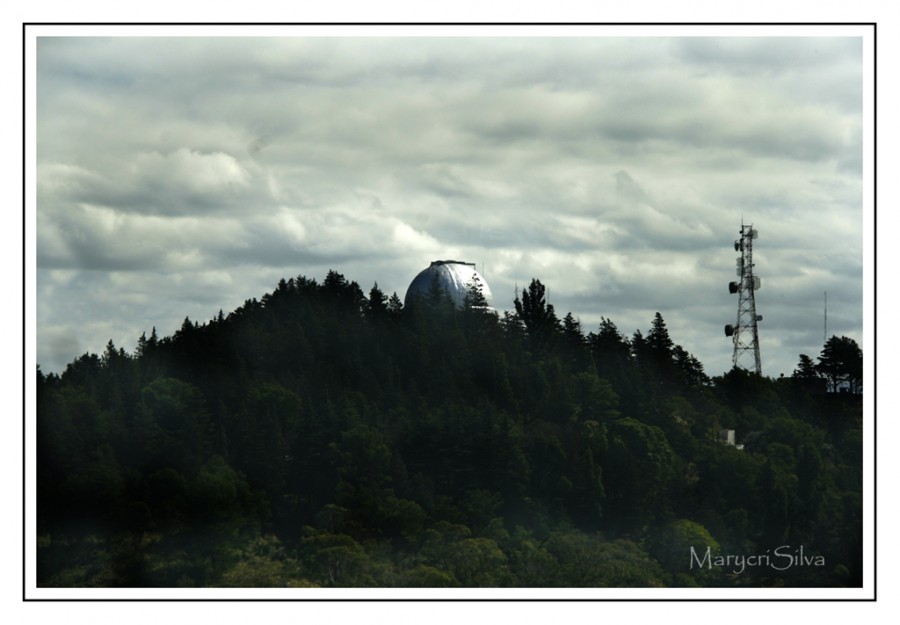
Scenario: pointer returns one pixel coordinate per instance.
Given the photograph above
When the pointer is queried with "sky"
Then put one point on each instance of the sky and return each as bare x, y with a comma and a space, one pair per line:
179, 176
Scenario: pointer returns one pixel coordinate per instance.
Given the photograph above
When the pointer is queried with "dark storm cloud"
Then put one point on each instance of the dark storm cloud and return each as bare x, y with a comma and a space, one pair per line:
177, 176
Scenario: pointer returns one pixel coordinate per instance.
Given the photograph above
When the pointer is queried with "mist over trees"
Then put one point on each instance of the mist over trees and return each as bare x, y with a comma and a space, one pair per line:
321, 437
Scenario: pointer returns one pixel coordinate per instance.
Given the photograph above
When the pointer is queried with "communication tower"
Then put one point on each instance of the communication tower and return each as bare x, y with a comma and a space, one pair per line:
745, 333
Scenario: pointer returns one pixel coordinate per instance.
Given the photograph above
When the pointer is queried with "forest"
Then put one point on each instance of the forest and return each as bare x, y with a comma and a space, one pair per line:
322, 437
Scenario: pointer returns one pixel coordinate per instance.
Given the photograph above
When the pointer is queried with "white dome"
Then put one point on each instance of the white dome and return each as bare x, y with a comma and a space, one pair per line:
454, 276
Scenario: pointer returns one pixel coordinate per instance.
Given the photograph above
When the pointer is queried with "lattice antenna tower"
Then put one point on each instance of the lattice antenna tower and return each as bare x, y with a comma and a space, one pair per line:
745, 333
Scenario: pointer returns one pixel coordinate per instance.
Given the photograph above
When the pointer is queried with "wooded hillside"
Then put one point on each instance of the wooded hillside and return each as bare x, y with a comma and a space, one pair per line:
322, 437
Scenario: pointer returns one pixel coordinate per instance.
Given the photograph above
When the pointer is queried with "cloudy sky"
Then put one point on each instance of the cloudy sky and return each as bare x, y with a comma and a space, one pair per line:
180, 176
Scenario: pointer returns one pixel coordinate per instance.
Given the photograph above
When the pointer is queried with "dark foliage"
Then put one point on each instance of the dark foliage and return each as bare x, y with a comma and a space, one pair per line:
319, 437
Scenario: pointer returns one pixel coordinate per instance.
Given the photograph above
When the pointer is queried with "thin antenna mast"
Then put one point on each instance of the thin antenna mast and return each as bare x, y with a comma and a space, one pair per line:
825, 325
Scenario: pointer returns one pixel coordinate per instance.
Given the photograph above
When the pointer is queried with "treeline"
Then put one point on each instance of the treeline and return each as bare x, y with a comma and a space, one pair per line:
324, 437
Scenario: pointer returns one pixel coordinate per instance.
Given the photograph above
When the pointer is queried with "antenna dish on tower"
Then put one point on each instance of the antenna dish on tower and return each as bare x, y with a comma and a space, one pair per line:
745, 333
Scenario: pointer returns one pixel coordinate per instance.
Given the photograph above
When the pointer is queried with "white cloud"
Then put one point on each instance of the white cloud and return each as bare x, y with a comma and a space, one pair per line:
177, 181
193, 171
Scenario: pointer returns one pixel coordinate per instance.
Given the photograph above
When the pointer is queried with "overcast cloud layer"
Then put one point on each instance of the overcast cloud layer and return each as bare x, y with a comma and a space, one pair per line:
177, 177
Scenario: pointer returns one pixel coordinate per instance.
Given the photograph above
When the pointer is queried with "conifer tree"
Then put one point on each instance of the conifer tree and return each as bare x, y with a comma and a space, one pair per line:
806, 369
537, 314
658, 340
377, 305
395, 305
841, 363
475, 295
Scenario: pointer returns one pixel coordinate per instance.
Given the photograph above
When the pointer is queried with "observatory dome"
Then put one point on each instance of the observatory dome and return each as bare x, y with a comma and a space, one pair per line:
454, 276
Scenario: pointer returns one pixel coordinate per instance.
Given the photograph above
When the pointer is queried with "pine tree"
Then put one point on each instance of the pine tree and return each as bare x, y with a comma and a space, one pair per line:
806, 369
538, 316
609, 343
658, 340
639, 347
395, 305
141, 344
690, 368
572, 330
377, 306
841, 363
475, 295
574, 340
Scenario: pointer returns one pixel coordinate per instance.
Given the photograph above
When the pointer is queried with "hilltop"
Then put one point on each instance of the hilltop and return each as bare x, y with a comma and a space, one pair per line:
320, 436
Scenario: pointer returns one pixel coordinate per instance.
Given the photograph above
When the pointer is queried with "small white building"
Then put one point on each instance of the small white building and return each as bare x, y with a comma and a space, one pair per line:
726, 437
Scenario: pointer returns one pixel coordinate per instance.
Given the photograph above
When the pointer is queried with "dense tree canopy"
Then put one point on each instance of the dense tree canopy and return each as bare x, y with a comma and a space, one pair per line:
839, 366
319, 437
841, 363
